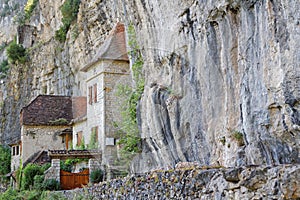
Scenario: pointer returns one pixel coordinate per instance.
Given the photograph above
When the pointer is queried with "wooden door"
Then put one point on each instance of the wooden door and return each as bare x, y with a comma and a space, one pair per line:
70, 181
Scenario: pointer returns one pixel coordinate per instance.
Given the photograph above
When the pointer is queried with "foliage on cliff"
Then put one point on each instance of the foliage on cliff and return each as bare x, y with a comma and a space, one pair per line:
29, 7
129, 131
69, 12
16, 53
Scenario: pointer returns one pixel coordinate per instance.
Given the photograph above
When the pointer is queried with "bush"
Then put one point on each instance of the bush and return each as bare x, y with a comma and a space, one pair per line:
9, 194
16, 52
29, 7
96, 176
29, 172
61, 34
128, 127
52, 196
38, 182
239, 137
4, 160
30, 195
45, 166
51, 184
4, 67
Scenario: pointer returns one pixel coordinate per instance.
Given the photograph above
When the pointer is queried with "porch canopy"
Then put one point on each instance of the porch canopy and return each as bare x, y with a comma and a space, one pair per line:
66, 154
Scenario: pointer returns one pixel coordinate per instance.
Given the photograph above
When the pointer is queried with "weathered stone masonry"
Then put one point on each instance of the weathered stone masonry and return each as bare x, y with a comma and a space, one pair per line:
264, 182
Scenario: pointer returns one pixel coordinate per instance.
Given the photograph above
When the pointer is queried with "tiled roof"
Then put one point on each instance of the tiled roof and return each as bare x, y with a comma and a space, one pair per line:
47, 110
113, 48
65, 154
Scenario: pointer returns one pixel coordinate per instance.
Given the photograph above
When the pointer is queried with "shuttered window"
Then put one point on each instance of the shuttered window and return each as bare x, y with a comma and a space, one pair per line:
79, 138
95, 93
90, 95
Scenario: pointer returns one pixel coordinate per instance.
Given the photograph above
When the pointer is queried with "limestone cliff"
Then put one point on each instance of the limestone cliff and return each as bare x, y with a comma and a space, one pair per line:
222, 84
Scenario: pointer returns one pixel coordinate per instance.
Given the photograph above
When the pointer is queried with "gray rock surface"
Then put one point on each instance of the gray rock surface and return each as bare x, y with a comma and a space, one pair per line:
222, 84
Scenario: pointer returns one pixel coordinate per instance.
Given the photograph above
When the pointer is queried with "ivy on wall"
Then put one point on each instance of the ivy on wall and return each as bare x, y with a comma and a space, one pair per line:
128, 128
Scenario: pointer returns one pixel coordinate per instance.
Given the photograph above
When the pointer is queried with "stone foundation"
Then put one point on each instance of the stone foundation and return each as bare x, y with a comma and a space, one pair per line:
263, 182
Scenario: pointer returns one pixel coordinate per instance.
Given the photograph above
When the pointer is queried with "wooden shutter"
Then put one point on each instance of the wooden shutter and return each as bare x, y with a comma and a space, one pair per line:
79, 138
90, 95
95, 93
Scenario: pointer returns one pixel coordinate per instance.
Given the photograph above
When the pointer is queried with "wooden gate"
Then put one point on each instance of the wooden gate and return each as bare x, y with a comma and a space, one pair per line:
70, 181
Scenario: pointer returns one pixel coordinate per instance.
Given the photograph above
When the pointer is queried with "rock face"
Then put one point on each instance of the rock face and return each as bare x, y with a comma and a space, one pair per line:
222, 84
281, 182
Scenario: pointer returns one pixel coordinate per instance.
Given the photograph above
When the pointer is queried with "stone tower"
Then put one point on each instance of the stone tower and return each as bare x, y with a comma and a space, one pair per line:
108, 70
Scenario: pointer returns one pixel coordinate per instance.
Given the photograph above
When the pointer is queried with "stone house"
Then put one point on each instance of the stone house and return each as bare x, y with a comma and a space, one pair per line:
53, 122
105, 73
45, 124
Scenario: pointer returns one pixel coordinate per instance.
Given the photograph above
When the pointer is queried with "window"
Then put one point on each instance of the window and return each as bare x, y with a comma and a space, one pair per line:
95, 93
90, 95
79, 138
17, 150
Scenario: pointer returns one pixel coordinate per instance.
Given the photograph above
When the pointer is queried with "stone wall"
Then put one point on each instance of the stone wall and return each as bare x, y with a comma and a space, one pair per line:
94, 164
54, 171
38, 138
252, 182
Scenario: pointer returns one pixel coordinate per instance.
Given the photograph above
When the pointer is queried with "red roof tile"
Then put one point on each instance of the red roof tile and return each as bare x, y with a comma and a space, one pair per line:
46, 109
113, 48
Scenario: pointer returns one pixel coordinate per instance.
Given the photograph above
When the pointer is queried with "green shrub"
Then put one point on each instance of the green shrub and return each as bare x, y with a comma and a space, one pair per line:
96, 176
29, 7
4, 67
5, 156
29, 172
128, 128
51, 184
30, 195
9, 194
61, 34
66, 166
45, 166
52, 196
38, 182
239, 137
69, 12
16, 52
